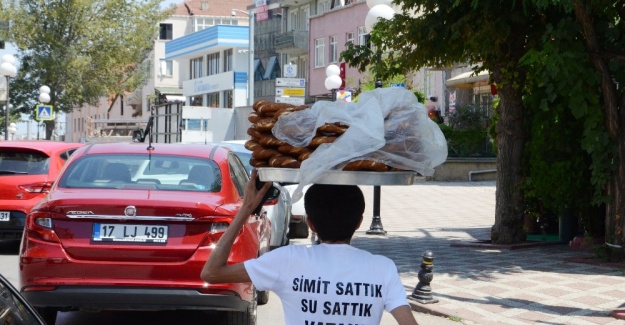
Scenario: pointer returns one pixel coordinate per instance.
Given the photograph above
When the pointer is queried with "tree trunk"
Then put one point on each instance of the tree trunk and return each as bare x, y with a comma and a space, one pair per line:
508, 227
49, 129
614, 123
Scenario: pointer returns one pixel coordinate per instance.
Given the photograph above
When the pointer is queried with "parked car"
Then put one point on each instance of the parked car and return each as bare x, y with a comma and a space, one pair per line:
14, 309
129, 226
279, 210
27, 171
298, 227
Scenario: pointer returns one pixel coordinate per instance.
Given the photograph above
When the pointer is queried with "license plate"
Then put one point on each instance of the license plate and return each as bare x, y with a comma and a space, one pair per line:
5, 215
105, 232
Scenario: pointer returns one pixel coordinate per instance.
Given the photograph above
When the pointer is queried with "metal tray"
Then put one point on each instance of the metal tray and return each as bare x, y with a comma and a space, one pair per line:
291, 175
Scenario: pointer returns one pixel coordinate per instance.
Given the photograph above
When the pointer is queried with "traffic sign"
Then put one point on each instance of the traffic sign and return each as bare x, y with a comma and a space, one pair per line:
281, 91
44, 113
290, 82
290, 70
290, 100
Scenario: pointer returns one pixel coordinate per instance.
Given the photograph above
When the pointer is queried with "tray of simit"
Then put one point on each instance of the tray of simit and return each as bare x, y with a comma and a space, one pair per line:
339, 177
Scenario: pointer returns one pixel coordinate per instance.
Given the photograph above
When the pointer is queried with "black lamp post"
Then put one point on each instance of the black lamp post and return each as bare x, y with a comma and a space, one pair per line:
376, 227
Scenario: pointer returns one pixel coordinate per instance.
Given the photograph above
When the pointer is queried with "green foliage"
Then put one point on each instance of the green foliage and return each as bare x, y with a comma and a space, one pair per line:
467, 132
81, 49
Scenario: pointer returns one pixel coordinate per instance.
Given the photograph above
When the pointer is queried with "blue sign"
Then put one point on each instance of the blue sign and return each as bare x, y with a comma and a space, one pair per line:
398, 85
44, 113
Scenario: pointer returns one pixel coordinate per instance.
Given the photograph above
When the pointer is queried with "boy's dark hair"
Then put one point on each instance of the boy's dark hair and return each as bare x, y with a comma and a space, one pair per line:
334, 210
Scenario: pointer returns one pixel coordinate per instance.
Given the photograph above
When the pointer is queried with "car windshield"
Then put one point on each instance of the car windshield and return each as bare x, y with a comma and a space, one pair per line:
23, 161
143, 172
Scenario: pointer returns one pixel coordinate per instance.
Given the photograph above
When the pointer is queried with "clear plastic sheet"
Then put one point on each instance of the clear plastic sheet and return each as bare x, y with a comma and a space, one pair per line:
387, 125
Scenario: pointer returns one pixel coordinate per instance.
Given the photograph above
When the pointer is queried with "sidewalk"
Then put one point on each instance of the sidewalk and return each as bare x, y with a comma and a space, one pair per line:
480, 284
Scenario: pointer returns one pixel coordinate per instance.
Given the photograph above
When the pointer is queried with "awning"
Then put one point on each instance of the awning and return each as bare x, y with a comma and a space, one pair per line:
174, 98
467, 79
169, 90
270, 66
135, 97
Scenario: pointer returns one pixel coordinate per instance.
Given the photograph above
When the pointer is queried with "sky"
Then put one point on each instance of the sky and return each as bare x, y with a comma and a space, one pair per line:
168, 3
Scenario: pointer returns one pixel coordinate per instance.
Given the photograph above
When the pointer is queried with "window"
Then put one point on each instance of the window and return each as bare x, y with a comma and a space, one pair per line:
323, 6
293, 25
362, 33
166, 32
228, 60
167, 68
319, 53
200, 23
334, 50
196, 68
204, 5
306, 14
228, 101
213, 64
213, 100
349, 37
197, 100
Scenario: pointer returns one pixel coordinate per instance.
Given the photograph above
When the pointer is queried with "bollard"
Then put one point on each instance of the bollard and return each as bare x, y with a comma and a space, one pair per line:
423, 292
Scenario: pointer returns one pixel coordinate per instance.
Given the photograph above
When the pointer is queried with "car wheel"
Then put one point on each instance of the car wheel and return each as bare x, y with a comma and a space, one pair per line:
47, 314
298, 230
247, 317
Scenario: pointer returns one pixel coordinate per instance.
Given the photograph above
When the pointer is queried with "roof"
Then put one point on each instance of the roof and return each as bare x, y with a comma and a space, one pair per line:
215, 7
169, 90
177, 149
40, 145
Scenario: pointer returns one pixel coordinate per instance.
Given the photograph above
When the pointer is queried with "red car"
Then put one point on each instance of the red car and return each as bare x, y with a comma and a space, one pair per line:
27, 171
128, 226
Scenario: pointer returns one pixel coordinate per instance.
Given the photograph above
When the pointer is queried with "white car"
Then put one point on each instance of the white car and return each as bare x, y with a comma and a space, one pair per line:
280, 212
298, 227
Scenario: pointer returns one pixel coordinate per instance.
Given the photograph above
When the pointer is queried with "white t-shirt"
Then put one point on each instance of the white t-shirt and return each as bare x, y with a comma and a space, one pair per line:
329, 284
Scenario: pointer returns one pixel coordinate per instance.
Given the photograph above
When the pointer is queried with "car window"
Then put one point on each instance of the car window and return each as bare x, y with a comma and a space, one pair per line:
23, 161
239, 173
65, 155
141, 172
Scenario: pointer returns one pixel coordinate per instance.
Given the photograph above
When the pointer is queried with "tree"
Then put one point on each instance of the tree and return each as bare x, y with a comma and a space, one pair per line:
486, 33
558, 60
82, 49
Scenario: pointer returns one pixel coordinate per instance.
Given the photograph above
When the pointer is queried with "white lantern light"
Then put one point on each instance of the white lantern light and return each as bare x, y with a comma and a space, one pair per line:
373, 3
8, 69
333, 70
8, 58
44, 98
333, 82
378, 11
44, 90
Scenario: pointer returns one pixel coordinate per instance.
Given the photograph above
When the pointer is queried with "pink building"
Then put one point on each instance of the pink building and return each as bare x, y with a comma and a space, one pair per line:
329, 32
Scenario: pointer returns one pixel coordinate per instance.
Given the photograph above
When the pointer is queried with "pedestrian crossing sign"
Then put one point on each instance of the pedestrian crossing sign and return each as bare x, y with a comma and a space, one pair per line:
44, 113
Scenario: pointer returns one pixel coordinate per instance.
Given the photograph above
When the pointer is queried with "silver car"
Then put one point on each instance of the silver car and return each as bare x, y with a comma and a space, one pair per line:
280, 212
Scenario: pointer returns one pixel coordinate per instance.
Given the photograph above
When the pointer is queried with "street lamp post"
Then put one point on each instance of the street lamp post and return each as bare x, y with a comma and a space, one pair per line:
44, 98
8, 70
333, 81
250, 63
377, 9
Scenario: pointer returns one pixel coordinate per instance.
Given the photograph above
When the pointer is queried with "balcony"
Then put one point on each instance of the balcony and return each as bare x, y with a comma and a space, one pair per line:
294, 42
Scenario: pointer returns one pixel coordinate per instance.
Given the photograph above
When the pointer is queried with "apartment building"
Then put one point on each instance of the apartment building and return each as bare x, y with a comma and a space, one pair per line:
117, 117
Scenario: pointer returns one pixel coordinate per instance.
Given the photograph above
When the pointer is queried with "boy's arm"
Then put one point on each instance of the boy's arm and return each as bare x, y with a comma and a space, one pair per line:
403, 315
216, 269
